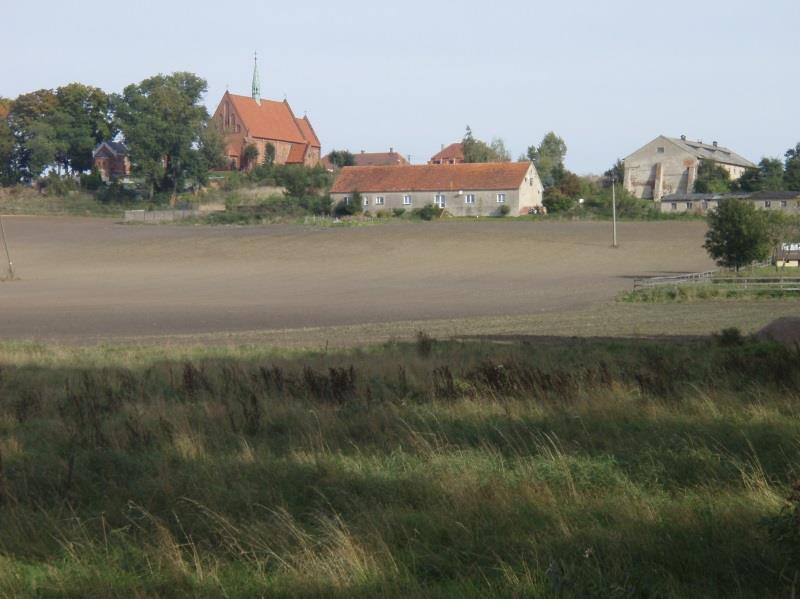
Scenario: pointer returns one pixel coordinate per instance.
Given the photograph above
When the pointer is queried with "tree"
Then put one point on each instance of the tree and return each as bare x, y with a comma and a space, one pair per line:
791, 175
615, 173
250, 155
28, 120
548, 157
162, 120
342, 158
712, 178
82, 119
8, 173
269, 154
767, 177
498, 147
476, 150
738, 234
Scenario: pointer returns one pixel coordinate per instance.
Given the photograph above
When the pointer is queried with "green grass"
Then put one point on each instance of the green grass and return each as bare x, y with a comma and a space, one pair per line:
27, 201
703, 293
563, 468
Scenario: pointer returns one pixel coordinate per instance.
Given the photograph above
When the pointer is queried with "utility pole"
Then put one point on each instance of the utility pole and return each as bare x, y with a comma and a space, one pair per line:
8, 256
614, 208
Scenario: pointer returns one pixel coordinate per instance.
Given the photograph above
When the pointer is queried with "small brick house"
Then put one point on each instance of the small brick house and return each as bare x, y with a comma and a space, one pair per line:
110, 159
480, 189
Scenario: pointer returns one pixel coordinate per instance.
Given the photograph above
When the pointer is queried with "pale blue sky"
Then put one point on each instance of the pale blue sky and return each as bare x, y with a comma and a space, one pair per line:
606, 76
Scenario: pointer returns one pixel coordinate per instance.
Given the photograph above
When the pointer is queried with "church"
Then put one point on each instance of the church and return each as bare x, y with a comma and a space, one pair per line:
270, 126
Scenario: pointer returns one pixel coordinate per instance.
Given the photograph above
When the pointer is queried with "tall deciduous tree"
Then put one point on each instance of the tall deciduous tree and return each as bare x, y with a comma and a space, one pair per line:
162, 119
82, 119
712, 178
738, 234
767, 177
8, 174
341, 158
791, 176
548, 158
476, 150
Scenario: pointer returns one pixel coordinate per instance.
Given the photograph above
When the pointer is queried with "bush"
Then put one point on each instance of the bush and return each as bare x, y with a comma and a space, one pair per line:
398, 212
731, 337
91, 181
504, 210
427, 212
383, 214
348, 208
117, 193
54, 184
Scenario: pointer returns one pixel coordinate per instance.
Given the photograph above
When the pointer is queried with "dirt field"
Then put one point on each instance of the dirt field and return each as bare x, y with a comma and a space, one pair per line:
88, 280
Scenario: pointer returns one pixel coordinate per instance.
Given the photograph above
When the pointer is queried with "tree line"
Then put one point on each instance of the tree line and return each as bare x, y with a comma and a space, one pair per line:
772, 174
162, 121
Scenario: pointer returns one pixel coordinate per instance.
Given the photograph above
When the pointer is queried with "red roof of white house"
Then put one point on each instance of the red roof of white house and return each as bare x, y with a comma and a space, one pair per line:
431, 177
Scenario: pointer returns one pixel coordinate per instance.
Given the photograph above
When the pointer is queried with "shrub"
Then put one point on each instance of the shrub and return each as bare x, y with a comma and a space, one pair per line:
349, 208
425, 344
398, 212
504, 210
427, 212
382, 214
91, 181
731, 337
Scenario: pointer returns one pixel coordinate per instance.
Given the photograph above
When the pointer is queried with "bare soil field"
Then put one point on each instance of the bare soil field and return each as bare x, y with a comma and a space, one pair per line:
88, 280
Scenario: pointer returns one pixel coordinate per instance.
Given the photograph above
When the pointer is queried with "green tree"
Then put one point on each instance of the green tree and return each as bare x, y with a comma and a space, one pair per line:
476, 150
341, 158
791, 176
498, 148
250, 155
548, 158
162, 120
712, 178
269, 154
615, 173
767, 177
738, 234
81, 120
34, 136
8, 171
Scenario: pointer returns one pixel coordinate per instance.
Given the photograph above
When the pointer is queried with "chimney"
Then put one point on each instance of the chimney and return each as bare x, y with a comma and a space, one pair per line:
442, 146
683, 138
391, 150
714, 144
362, 151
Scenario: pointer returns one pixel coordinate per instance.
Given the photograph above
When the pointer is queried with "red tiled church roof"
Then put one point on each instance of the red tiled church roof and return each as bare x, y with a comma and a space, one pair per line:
428, 177
269, 120
452, 152
308, 132
297, 154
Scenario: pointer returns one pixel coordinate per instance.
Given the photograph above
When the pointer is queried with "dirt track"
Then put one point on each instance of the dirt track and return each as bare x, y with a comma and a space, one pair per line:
92, 279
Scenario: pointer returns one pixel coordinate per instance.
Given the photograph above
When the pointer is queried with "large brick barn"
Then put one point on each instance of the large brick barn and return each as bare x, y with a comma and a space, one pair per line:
252, 121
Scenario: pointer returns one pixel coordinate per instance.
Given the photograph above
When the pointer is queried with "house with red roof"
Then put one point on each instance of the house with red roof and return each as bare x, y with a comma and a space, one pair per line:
249, 120
478, 189
452, 154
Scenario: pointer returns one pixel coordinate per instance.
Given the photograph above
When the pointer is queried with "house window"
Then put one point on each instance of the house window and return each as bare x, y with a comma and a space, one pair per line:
660, 150
501, 198
346, 199
379, 201
470, 199
688, 205
406, 200
784, 203
674, 205
366, 201
767, 204
440, 200
705, 204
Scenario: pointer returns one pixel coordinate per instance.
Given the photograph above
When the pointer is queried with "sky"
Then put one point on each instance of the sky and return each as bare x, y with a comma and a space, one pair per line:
605, 75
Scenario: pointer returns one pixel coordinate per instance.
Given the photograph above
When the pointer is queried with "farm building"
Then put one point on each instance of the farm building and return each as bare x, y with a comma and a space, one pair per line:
700, 203
668, 165
461, 189
261, 123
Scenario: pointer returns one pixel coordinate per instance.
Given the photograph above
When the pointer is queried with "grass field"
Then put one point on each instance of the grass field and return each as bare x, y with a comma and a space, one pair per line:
562, 468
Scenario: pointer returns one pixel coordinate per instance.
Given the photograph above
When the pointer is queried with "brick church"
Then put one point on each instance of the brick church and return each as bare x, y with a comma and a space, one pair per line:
250, 120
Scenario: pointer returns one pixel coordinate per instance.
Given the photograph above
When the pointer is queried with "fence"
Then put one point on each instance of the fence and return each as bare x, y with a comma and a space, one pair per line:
687, 279
159, 216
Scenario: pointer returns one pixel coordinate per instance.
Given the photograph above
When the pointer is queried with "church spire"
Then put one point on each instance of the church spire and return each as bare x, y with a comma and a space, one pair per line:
256, 82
